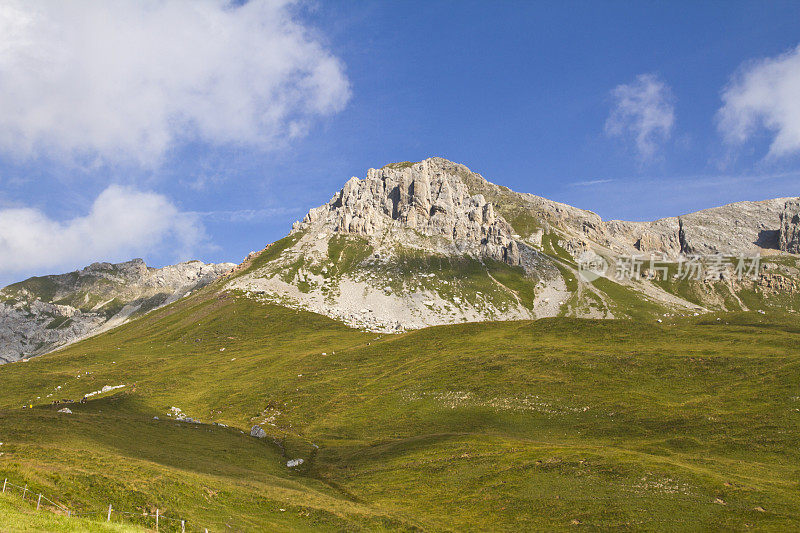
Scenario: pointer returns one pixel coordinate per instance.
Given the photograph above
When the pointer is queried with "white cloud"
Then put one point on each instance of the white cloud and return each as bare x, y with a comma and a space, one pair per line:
122, 223
764, 94
250, 215
643, 109
126, 80
591, 183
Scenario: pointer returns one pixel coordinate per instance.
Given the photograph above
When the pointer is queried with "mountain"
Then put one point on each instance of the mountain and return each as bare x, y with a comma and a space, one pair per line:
42, 313
433, 243
234, 408
430, 243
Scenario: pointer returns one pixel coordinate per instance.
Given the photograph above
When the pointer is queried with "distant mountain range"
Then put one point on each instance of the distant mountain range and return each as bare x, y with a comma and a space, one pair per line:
42, 313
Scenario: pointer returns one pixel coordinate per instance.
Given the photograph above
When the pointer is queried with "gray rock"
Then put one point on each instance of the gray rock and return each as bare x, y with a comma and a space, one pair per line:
733, 229
428, 197
65, 410
92, 300
789, 237
258, 432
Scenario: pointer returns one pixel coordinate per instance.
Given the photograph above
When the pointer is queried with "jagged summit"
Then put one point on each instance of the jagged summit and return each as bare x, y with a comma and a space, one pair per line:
430, 198
432, 242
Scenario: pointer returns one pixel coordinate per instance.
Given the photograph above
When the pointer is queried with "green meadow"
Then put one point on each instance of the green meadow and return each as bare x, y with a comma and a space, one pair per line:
562, 423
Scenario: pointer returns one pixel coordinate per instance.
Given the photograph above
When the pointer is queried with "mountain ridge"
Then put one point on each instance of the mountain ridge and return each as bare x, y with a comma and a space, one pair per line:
406, 220
42, 313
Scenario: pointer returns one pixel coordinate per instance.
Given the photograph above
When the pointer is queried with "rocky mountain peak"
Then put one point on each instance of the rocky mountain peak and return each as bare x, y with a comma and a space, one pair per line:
134, 269
429, 198
419, 244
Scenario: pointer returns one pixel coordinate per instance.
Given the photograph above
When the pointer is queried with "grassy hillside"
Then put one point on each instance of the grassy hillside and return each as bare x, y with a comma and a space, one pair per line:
555, 424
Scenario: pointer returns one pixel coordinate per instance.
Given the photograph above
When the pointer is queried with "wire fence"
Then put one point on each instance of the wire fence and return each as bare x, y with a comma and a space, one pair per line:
165, 523
158, 519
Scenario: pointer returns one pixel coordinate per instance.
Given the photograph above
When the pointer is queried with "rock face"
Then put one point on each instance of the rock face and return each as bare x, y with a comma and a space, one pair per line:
426, 197
43, 313
740, 228
789, 237
733, 229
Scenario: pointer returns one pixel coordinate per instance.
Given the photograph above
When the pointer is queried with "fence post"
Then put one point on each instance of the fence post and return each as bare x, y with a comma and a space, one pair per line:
156, 519
4, 485
109, 513
69, 513
183, 527
25, 491
39, 502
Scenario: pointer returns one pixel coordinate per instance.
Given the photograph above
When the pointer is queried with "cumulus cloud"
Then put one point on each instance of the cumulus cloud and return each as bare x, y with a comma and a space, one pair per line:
764, 94
643, 110
122, 223
127, 80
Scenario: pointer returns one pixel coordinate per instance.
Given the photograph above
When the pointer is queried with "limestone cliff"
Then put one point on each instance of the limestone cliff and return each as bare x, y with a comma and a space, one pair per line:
427, 197
789, 235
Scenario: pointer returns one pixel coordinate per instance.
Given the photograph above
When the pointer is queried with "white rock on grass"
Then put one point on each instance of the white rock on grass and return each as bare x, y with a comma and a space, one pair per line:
105, 389
258, 432
294, 462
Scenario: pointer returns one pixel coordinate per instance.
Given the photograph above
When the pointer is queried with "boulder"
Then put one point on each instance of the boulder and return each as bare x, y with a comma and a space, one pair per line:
65, 410
258, 432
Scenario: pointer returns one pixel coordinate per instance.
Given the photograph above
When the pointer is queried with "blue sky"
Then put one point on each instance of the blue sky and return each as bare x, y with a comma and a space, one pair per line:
204, 129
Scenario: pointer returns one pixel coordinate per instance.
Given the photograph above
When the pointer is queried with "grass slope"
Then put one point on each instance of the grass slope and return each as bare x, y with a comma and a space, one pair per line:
17, 515
554, 424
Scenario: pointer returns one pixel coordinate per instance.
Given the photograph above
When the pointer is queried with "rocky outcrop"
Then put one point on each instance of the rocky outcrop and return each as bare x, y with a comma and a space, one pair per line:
40, 314
789, 236
427, 197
